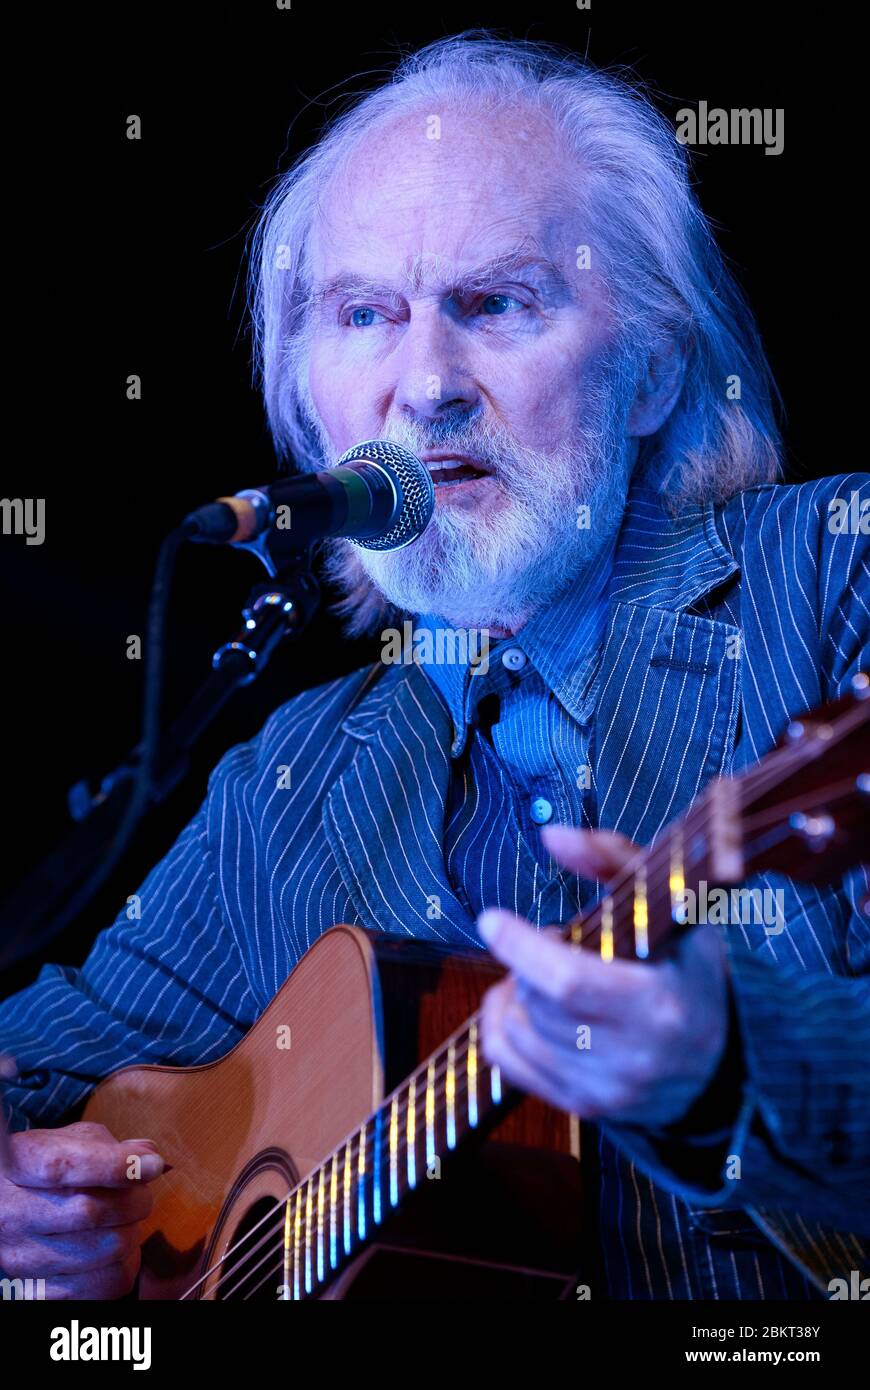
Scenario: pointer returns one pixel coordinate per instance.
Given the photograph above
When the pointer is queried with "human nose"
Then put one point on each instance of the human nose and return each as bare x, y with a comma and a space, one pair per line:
433, 379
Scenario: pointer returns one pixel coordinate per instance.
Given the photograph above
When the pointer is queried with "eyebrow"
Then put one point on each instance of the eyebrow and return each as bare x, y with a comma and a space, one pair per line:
510, 264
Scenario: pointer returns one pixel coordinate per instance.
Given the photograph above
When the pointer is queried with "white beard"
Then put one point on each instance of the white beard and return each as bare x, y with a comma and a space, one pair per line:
492, 568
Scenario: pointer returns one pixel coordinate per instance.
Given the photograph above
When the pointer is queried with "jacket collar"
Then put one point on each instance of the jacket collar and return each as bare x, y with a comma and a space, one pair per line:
665, 561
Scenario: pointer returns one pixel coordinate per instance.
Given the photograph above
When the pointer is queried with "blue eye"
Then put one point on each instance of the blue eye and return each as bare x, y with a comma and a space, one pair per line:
498, 304
363, 317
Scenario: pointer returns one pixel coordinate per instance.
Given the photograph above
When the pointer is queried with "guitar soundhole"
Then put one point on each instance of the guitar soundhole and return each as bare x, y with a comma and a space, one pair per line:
254, 1268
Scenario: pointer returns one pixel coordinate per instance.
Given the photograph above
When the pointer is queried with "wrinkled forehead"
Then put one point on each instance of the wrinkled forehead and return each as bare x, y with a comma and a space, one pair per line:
432, 196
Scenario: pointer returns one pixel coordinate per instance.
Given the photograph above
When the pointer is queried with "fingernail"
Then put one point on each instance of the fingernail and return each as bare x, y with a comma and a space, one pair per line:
151, 1166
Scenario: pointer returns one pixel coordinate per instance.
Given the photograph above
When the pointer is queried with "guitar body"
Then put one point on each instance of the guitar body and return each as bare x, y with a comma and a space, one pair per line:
500, 1216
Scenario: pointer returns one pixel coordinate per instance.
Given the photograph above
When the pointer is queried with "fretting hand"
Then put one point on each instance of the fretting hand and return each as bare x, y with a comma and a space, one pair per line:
630, 1041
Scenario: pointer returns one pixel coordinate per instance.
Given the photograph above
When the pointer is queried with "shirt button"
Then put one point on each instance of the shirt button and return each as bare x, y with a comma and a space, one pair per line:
542, 810
514, 659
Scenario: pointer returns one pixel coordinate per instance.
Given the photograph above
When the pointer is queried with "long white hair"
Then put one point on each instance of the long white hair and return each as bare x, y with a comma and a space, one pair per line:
662, 266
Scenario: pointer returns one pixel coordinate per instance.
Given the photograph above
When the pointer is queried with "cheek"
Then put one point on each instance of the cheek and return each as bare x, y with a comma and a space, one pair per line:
540, 407
544, 402
318, 377
335, 396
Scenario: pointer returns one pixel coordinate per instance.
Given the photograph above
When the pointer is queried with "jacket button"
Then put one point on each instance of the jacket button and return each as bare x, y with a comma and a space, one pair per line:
514, 659
542, 810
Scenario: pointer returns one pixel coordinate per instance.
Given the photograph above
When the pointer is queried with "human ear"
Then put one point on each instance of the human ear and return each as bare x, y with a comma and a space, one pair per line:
659, 388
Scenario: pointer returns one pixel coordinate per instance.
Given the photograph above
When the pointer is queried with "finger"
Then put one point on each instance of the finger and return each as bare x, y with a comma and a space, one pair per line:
113, 1281
599, 854
64, 1158
556, 1074
547, 1058
499, 1049
59, 1210
559, 1025
88, 1129
574, 978
41, 1257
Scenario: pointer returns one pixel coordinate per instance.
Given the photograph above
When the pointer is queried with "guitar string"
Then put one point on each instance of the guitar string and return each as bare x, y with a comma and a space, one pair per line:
836, 791
752, 783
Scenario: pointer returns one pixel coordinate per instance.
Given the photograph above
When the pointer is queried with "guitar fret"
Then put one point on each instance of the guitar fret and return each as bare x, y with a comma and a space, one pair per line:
361, 1186
471, 1073
333, 1214
677, 876
297, 1243
430, 1114
308, 1228
607, 929
394, 1151
288, 1226
411, 1133
377, 1213
347, 1187
321, 1189
640, 914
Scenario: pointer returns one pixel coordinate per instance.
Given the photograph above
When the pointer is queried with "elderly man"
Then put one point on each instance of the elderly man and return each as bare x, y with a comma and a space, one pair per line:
497, 260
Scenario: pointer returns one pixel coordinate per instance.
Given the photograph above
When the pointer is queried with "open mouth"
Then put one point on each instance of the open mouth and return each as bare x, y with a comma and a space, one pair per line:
450, 471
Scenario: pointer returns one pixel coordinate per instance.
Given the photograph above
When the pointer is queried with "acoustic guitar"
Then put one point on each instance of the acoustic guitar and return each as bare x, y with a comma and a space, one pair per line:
356, 1144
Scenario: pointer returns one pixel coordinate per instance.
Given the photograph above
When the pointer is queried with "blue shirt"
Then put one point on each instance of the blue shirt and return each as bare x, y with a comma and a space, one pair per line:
520, 750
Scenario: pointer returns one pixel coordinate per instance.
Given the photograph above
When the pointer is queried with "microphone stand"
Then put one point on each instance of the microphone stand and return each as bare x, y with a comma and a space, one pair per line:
63, 884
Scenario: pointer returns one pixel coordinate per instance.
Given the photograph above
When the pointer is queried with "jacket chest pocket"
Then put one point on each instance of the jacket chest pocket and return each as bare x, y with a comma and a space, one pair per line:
666, 715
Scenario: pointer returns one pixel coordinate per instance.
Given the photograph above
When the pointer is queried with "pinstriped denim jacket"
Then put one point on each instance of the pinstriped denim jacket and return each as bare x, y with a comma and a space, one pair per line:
259, 873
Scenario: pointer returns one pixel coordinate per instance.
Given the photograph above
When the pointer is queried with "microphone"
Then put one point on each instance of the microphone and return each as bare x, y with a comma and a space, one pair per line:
378, 494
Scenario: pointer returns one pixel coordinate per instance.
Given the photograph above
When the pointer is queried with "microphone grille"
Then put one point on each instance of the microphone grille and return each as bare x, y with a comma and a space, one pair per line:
413, 485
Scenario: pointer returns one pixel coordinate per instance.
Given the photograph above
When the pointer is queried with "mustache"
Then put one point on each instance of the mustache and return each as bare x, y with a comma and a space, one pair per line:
492, 444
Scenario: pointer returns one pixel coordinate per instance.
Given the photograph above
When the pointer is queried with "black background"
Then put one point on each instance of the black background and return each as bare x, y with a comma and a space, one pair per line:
128, 257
